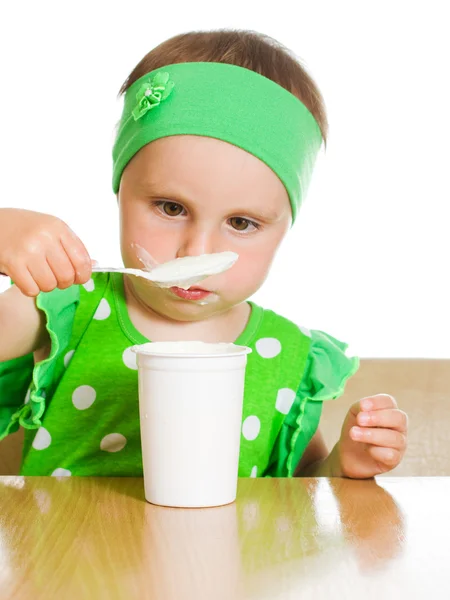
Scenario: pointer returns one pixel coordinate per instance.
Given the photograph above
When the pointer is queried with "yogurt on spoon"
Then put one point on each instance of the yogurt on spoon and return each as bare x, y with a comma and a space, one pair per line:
183, 273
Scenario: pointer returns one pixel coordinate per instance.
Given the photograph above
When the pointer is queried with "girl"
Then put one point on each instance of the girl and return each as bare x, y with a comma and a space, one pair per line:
214, 152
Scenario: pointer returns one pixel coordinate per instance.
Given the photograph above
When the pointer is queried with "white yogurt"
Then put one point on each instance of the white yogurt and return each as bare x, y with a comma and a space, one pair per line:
189, 270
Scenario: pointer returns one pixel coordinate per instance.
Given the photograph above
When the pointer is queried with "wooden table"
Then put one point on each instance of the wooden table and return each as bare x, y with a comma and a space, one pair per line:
95, 538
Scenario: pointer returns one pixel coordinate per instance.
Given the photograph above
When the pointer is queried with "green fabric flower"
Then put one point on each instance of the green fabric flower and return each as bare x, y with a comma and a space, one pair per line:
152, 93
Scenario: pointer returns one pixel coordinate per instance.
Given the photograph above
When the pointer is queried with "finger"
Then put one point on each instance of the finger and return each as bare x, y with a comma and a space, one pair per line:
62, 267
379, 437
390, 457
378, 402
25, 282
78, 256
355, 408
390, 418
43, 275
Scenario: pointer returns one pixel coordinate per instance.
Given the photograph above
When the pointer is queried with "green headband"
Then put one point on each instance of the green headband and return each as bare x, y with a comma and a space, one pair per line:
228, 103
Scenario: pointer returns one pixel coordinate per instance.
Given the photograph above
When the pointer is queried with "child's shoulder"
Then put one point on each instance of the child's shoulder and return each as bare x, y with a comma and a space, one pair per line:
325, 351
59, 299
69, 310
274, 320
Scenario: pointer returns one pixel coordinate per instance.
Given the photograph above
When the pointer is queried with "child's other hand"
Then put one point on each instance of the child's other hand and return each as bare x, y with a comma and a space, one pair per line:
40, 252
373, 437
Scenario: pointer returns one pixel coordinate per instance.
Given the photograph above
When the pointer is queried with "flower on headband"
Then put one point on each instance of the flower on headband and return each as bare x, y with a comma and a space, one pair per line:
152, 93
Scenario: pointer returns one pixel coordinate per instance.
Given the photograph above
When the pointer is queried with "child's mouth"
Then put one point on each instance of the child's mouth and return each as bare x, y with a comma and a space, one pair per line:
193, 293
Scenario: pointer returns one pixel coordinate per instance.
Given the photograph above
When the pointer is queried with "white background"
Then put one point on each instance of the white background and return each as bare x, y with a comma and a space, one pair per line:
371, 246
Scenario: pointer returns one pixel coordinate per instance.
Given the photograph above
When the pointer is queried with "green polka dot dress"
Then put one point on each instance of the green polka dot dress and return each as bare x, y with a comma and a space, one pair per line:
80, 408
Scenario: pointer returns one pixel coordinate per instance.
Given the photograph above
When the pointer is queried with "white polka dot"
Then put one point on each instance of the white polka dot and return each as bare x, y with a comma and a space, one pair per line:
83, 397
113, 442
305, 331
129, 358
254, 472
251, 427
103, 311
285, 400
27, 397
268, 347
67, 357
89, 286
61, 473
42, 439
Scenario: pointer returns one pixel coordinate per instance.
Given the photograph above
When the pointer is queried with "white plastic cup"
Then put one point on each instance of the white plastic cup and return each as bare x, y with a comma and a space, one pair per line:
190, 405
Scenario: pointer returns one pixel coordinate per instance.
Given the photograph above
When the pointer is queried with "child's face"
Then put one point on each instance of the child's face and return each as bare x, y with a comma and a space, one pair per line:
190, 195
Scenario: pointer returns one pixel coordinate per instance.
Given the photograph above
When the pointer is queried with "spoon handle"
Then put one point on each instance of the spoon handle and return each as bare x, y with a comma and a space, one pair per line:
136, 272
109, 270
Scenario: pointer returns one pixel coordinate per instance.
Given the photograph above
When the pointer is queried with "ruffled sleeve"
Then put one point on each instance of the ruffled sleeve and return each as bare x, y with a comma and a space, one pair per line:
19, 374
326, 372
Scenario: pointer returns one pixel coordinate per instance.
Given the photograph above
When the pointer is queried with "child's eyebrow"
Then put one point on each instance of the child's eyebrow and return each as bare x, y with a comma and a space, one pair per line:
161, 190
258, 213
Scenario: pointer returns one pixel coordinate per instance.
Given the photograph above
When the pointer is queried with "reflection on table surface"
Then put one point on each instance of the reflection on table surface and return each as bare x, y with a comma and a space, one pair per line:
76, 538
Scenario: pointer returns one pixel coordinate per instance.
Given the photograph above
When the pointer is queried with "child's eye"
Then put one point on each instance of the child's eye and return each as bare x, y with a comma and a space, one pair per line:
241, 224
171, 209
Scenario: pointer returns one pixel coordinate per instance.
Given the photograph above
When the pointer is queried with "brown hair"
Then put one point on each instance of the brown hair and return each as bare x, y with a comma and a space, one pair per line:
248, 49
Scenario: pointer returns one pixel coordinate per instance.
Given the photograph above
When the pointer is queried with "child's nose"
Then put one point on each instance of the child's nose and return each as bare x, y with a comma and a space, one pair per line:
196, 242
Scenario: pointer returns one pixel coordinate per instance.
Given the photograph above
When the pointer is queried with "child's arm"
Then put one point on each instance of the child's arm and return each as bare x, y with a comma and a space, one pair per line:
373, 441
22, 325
39, 253
317, 461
